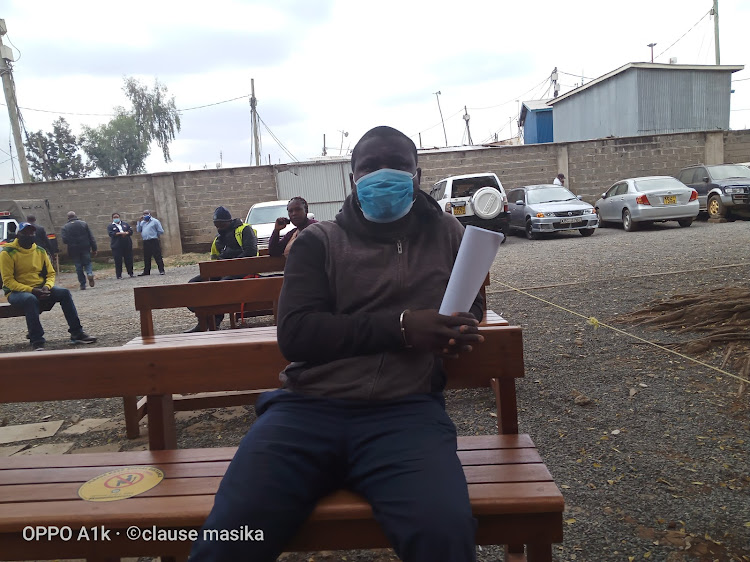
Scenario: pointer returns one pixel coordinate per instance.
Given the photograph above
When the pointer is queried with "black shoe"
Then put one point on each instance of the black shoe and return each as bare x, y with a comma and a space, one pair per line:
162, 273
194, 329
131, 275
83, 287
37, 345
142, 274
82, 337
120, 277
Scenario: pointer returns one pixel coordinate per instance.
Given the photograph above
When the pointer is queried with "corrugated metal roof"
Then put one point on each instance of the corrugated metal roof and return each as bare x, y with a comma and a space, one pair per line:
651, 66
537, 104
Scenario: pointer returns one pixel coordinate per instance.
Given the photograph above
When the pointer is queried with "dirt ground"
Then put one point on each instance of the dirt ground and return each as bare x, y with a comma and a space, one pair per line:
650, 448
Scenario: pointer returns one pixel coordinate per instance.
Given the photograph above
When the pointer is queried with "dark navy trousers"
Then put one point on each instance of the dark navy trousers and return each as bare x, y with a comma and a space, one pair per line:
400, 455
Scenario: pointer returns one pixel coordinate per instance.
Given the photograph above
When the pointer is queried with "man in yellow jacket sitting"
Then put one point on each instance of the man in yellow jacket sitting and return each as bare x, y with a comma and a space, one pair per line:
29, 280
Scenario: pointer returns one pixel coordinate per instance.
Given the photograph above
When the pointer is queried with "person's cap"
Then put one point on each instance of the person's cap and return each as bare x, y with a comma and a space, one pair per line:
222, 214
561, 176
24, 225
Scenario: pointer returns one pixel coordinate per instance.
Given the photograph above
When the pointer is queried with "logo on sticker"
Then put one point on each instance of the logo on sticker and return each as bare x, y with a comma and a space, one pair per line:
120, 484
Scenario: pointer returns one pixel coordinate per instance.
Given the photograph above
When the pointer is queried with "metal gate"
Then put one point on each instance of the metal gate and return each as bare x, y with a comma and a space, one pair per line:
324, 185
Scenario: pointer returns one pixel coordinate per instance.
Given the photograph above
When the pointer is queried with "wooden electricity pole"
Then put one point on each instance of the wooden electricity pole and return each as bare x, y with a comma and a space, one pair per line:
254, 120
10, 100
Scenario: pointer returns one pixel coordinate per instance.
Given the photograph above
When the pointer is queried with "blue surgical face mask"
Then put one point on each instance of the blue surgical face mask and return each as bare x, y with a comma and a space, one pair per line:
385, 195
116, 221
147, 217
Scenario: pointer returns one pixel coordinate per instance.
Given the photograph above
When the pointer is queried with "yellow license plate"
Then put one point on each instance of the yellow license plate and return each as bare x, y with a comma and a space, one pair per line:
670, 199
459, 210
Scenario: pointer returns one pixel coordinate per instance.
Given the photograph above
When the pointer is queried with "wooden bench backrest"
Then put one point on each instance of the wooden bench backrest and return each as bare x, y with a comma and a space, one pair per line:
241, 266
182, 367
204, 295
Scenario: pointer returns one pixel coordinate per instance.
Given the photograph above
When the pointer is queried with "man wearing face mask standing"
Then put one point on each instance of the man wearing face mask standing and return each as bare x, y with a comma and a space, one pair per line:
29, 280
361, 406
150, 229
121, 243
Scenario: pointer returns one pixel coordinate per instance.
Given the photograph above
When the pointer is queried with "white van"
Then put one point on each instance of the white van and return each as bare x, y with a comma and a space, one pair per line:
262, 216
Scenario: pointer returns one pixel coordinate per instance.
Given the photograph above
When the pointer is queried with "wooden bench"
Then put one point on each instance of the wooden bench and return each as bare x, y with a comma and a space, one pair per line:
8, 311
207, 299
241, 266
513, 495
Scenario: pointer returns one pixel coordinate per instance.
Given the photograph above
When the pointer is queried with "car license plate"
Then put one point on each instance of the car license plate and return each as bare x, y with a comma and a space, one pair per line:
670, 199
570, 220
461, 210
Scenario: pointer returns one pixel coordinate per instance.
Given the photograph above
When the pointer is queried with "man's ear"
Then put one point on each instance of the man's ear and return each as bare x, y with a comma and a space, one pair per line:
351, 182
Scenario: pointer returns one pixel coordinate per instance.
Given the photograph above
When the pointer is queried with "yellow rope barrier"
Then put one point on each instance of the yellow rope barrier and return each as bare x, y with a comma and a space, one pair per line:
592, 321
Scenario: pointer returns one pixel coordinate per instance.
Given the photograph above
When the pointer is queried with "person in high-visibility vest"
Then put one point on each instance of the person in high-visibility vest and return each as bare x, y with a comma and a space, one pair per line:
235, 239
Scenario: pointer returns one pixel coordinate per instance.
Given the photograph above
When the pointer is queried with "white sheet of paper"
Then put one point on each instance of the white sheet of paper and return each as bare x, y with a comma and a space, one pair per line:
475, 256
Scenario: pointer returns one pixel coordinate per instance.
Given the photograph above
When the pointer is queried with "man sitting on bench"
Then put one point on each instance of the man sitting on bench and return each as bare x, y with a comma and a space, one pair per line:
362, 405
235, 239
29, 279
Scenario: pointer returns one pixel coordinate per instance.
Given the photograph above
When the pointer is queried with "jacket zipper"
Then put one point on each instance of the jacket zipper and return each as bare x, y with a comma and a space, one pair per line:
400, 247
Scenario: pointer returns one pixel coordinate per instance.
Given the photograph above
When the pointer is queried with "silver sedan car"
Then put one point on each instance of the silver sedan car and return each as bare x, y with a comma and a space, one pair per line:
646, 200
536, 209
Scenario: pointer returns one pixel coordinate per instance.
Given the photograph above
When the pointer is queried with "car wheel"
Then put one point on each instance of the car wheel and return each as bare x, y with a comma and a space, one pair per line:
627, 222
715, 207
684, 223
530, 234
586, 232
601, 220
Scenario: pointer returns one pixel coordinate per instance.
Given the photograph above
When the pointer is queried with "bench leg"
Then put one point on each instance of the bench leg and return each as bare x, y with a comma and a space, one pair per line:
539, 552
514, 553
130, 407
162, 431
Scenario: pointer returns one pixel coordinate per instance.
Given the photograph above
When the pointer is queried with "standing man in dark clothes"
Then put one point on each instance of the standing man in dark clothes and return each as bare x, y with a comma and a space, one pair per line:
297, 209
81, 246
150, 229
235, 239
40, 238
121, 243
362, 405
11, 235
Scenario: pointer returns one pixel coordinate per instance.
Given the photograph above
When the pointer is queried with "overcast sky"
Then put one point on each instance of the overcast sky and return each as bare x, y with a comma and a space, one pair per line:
327, 66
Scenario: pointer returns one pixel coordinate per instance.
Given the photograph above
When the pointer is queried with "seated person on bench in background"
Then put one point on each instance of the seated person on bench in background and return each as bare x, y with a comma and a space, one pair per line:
235, 239
29, 279
297, 209
361, 406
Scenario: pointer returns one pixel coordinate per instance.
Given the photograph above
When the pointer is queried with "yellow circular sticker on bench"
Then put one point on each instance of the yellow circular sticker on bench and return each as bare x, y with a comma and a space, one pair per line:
120, 484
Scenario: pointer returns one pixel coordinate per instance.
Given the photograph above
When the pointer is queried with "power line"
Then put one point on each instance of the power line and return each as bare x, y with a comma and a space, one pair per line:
576, 75
114, 114
281, 145
683, 35
740, 80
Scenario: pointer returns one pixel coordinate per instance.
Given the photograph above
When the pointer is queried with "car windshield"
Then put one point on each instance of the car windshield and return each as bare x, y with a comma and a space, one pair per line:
727, 171
657, 184
265, 215
548, 195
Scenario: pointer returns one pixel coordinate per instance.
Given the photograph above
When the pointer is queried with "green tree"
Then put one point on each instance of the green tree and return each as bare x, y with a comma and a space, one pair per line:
117, 148
155, 113
56, 155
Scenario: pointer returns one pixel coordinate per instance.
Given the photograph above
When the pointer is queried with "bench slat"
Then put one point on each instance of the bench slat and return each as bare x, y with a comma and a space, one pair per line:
241, 266
181, 480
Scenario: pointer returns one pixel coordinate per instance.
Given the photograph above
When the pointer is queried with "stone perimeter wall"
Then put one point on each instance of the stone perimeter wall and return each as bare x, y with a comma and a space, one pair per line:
184, 201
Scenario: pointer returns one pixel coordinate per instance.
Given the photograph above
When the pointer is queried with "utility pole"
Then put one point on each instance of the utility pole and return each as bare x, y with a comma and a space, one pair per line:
254, 120
437, 97
652, 45
555, 85
715, 13
324, 145
468, 132
6, 55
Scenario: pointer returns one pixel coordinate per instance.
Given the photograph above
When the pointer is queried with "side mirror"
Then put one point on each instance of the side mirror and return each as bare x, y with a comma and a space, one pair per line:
579, 197
519, 202
604, 195
705, 179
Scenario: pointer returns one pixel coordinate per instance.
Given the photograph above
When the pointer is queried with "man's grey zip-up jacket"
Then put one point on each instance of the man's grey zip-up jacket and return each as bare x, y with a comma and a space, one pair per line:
346, 284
